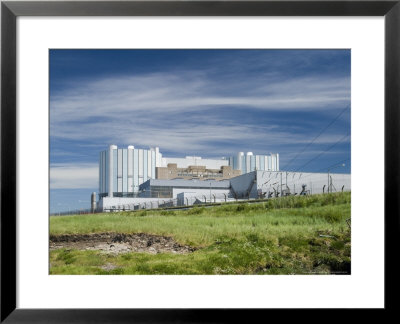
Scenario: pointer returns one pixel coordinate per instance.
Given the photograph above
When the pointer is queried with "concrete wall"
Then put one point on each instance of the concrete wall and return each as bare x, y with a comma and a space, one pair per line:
201, 193
119, 202
192, 198
270, 181
244, 185
130, 203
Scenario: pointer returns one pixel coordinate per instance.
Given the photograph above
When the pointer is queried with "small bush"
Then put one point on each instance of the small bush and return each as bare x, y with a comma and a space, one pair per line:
241, 207
196, 211
252, 237
167, 213
66, 257
338, 245
332, 216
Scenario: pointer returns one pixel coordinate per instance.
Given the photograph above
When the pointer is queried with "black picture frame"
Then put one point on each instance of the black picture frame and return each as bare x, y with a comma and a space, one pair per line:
10, 10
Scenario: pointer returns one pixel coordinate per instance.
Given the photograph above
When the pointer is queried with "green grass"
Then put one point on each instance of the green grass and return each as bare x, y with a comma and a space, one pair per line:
278, 236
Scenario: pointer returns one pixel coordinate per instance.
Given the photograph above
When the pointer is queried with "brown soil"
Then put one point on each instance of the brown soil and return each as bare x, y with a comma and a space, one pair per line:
116, 243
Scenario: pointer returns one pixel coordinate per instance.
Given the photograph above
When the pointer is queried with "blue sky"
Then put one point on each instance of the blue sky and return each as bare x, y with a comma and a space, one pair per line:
210, 103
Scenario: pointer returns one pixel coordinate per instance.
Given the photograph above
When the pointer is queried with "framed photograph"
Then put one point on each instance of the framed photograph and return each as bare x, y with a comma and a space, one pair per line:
220, 137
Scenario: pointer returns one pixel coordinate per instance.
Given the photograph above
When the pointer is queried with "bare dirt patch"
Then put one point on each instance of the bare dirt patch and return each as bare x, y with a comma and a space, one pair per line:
108, 267
116, 243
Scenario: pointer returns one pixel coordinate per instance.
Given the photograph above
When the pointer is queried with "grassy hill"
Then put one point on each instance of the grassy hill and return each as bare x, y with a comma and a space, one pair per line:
290, 235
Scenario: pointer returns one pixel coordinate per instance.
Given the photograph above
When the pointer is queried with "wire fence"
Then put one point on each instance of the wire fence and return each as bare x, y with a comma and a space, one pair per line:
180, 201
273, 188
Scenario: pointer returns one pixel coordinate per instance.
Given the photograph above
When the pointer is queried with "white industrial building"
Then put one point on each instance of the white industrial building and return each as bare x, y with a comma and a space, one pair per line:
122, 171
267, 184
249, 162
156, 193
127, 180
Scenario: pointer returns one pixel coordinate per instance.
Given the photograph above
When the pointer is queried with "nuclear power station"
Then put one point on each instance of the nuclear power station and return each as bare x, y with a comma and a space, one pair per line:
135, 178
122, 171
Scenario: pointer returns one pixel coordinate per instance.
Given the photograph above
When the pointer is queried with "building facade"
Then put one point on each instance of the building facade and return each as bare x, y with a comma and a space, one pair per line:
248, 162
157, 188
157, 193
195, 161
195, 172
268, 184
123, 170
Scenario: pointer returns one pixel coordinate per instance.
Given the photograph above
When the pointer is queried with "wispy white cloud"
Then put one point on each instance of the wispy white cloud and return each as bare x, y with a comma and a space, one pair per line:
72, 176
165, 93
156, 109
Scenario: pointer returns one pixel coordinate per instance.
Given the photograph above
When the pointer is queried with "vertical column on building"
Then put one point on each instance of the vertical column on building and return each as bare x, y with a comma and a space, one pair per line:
135, 170
140, 167
105, 171
273, 162
115, 170
153, 164
145, 155
119, 172
158, 157
101, 172
262, 162
149, 165
124, 171
239, 164
277, 162
130, 168
249, 156
111, 169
